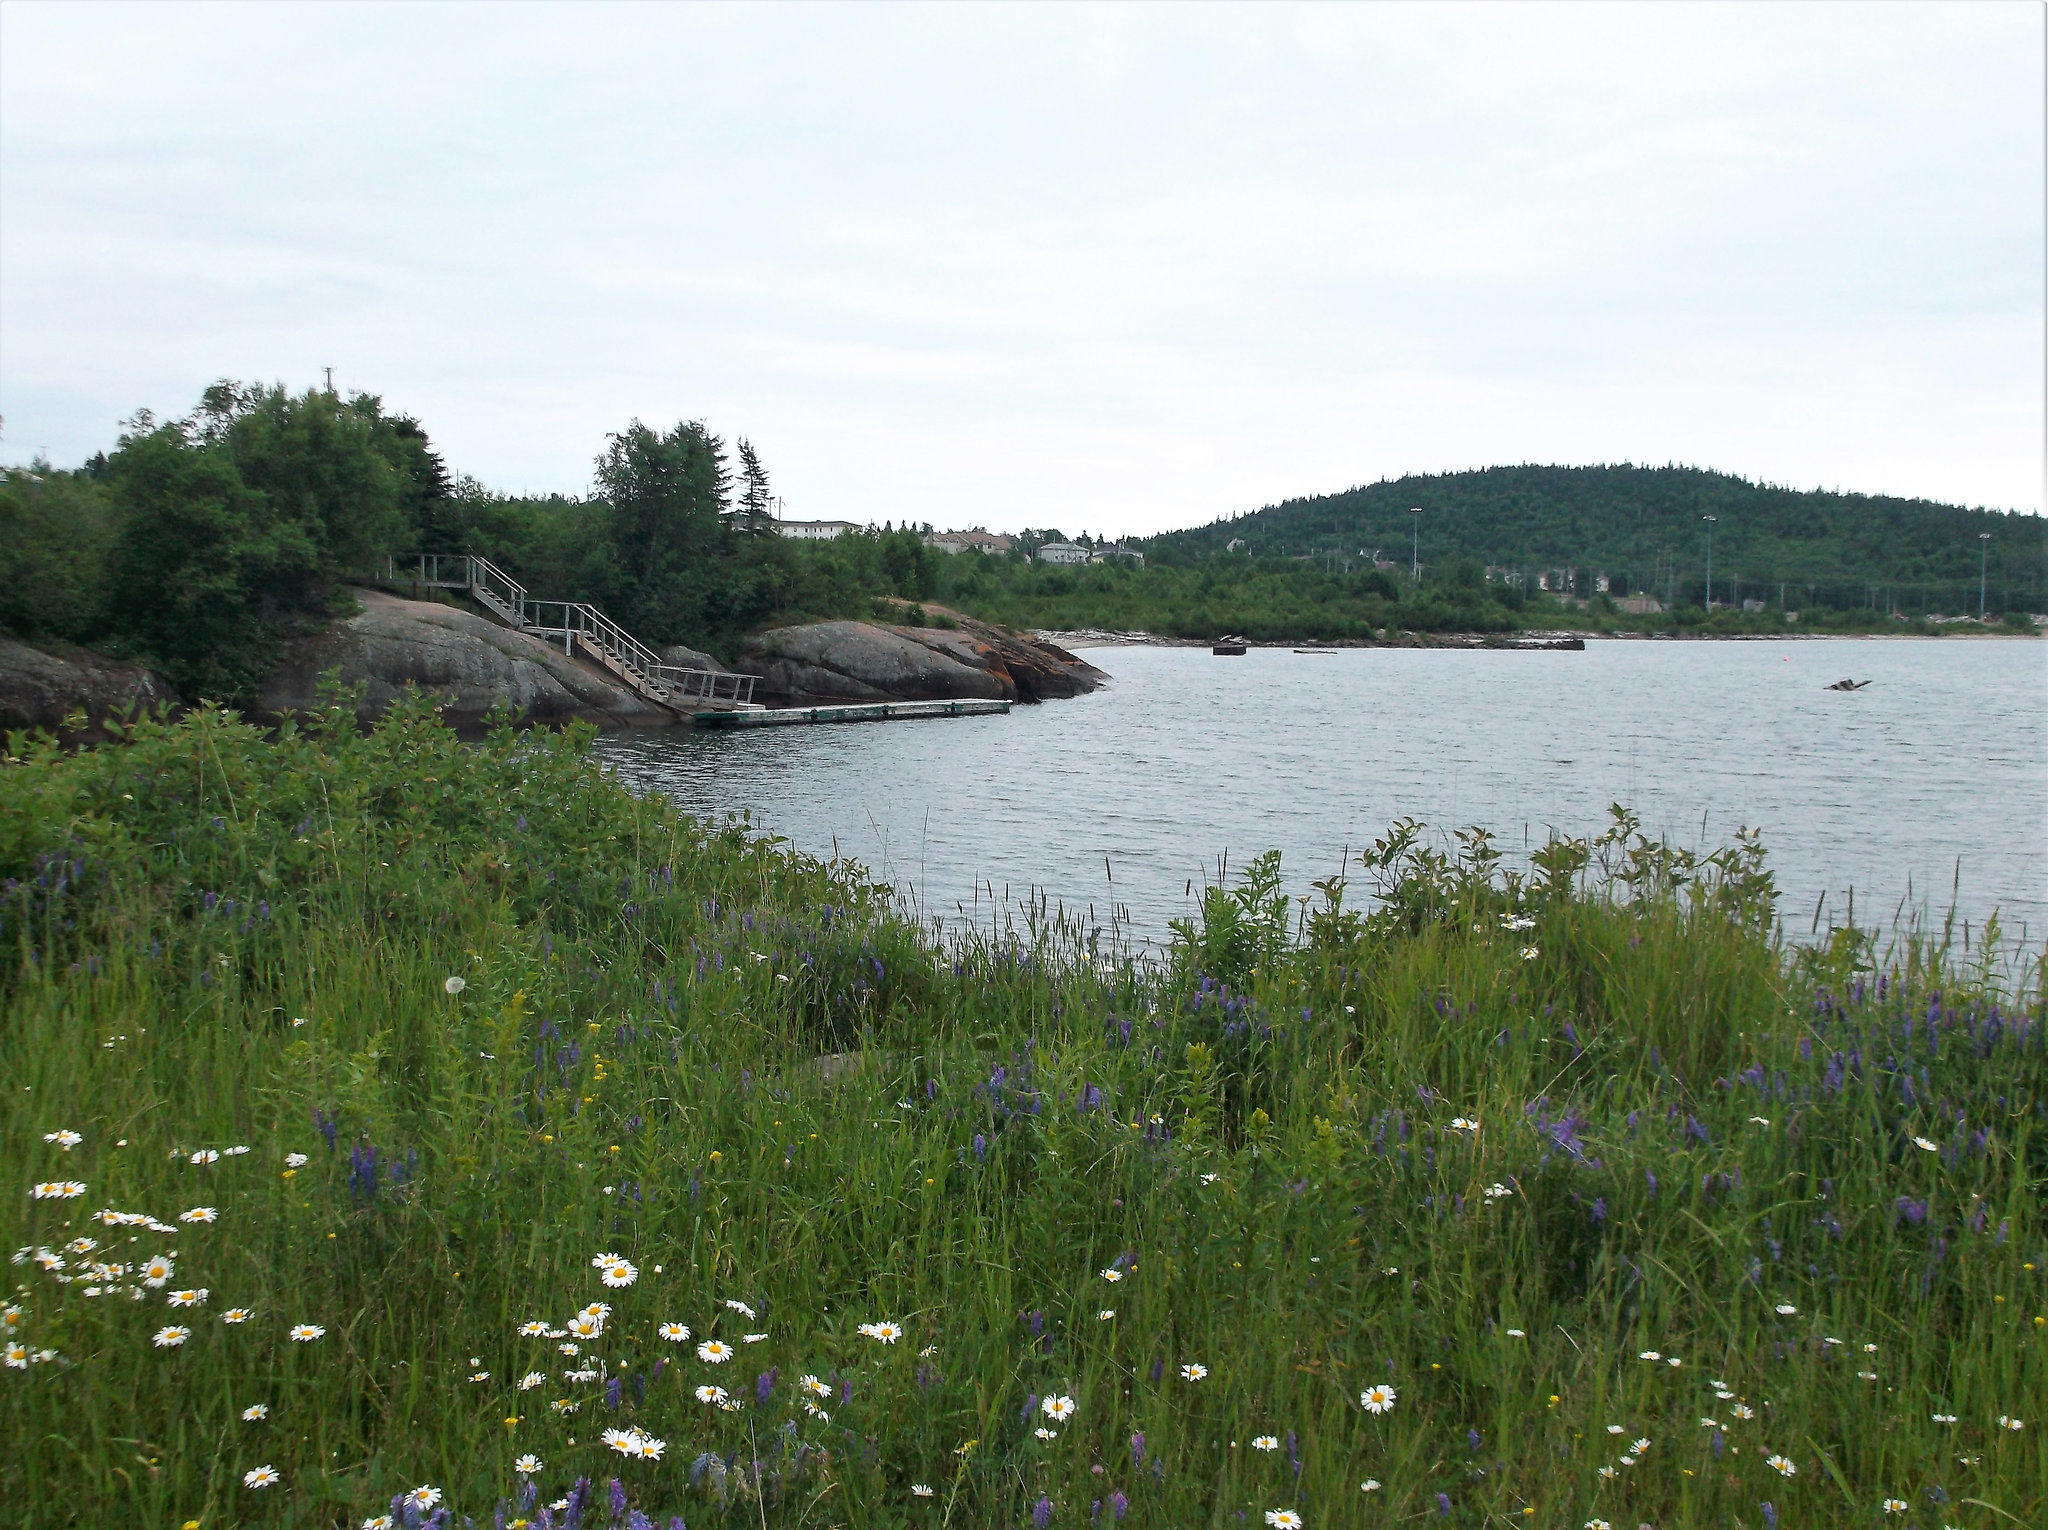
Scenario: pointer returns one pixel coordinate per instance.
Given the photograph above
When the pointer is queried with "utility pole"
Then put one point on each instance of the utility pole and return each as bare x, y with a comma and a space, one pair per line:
1983, 564
330, 378
1415, 544
1710, 519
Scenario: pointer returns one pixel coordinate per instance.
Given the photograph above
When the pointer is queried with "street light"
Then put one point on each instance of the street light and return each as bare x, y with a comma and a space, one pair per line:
1983, 563
1710, 519
1415, 544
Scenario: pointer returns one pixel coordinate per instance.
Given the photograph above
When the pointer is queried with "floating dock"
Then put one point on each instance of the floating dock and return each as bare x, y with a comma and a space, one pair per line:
862, 711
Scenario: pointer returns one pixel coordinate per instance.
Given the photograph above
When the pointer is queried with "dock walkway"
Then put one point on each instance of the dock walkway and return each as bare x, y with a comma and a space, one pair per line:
859, 711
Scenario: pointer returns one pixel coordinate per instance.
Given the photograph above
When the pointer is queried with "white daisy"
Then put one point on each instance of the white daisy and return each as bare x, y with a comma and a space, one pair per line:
1059, 1409
1377, 1399
261, 1477
254, 1412
712, 1352
675, 1333
306, 1333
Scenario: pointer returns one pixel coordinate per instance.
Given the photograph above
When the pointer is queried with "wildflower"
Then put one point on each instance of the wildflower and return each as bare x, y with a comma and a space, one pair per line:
17, 1357
752, 1338
740, 1307
480, 1376
453, 985
586, 1328
814, 1386
1649, 1354
199, 1214
563, 1405
535, 1330
1494, 1192
254, 1412
1058, 1408
423, 1497
1870, 1349
1193, 1372
1759, 1120
1370, 1485
1616, 1429
1609, 1472
1866, 1375
1112, 1276
1265, 1442
1283, 1519
1598, 1524
620, 1274
187, 1298
1640, 1447
64, 1138
2010, 1423
1710, 1423
261, 1477
58, 1190
1046, 1434
1781, 1466
1744, 1410
885, 1331
1105, 1314
157, 1272
1377, 1399
295, 1160
377, 1522
675, 1333
531, 1380
205, 1155
1530, 953
569, 1349
712, 1352
1895, 1506
306, 1333
1786, 1309
1461, 1124
1925, 1146
710, 1394
621, 1440
82, 1245
235, 1315
527, 1465
920, 1490
648, 1448
1673, 1361
172, 1337
1516, 1333
817, 1412
598, 1310
1210, 1179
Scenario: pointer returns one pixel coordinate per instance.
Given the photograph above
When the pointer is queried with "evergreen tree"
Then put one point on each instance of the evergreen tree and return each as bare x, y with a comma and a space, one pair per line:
753, 514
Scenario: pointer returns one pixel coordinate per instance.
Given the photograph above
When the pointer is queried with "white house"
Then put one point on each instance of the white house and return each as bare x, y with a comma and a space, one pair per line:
1063, 552
814, 531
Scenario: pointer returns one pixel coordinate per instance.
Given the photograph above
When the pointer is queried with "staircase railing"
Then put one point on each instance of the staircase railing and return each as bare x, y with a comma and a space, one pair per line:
602, 638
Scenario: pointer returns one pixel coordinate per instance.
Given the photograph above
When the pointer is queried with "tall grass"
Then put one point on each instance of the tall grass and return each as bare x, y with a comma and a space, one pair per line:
1490, 1140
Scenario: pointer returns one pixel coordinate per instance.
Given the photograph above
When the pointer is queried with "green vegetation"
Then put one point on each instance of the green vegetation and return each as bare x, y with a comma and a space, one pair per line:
201, 545
1619, 1194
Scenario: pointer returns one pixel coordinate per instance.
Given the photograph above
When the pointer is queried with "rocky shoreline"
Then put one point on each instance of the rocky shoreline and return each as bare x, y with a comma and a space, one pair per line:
472, 665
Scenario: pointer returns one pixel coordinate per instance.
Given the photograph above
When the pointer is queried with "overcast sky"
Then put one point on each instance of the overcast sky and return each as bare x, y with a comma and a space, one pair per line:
1115, 269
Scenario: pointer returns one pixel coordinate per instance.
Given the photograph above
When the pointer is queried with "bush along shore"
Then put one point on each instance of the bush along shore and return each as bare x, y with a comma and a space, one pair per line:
409, 1132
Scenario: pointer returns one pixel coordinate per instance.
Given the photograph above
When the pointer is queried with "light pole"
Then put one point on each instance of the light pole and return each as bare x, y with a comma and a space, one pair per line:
1415, 544
1710, 519
1983, 563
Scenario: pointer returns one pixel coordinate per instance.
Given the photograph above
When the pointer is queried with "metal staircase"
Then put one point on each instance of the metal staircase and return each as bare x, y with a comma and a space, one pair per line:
585, 630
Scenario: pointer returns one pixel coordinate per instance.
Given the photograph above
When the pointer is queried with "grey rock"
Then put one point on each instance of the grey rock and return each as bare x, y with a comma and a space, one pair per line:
691, 658
40, 689
468, 662
863, 661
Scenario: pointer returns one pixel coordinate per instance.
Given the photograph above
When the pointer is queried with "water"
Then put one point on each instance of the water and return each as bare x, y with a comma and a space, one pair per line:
1931, 782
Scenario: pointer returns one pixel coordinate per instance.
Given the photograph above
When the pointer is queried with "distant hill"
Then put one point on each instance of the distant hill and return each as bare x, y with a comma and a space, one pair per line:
1643, 528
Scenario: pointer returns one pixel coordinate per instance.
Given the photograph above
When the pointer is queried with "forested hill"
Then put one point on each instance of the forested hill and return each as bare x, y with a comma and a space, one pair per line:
1644, 525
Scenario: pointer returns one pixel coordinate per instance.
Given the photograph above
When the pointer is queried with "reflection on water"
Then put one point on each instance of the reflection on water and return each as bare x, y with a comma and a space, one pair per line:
1933, 778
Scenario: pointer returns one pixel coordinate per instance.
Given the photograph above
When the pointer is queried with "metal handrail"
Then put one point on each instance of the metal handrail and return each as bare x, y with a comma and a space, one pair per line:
636, 663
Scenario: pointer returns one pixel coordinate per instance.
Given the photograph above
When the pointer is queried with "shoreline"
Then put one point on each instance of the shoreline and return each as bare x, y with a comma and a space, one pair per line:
1100, 638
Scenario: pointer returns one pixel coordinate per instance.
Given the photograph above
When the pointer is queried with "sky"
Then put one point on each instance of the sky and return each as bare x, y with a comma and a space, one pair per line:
1114, 269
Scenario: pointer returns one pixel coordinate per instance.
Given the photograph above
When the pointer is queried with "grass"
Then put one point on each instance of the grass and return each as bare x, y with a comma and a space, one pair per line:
1490, 1142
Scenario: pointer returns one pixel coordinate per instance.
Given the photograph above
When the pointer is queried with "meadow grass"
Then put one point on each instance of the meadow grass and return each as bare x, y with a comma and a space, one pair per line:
1617, 1194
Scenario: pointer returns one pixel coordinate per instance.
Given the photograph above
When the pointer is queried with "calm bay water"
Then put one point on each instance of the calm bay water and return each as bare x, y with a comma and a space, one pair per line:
1935, 776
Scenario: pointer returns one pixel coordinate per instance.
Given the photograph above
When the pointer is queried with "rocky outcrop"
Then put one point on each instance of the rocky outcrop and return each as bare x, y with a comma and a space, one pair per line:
691, 658
869, 661
40, 689
469, 663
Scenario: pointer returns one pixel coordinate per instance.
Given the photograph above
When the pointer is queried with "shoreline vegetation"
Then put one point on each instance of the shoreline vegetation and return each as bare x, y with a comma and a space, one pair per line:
405, 1131
210, 549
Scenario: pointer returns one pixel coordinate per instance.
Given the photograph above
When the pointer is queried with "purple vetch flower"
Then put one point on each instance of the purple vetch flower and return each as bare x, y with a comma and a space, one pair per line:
1770, 1516
765, 1383
1443, 1505
1472, 1439
618, 1498
980, 1147
611, 1393
1137, 1448
1119, 1506
1159, 1366
1294, 1452
1041, 1512
1599, 1210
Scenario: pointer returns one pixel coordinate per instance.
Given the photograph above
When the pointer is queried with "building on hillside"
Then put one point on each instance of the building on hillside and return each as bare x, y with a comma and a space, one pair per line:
1641, 605
1754, 605
1117, 551
976, 540
814, 531
1234, 544
1063, 552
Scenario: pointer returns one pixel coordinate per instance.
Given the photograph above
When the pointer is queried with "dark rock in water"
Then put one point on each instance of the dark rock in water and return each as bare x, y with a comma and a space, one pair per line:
40, 689
868, 661
470, 664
